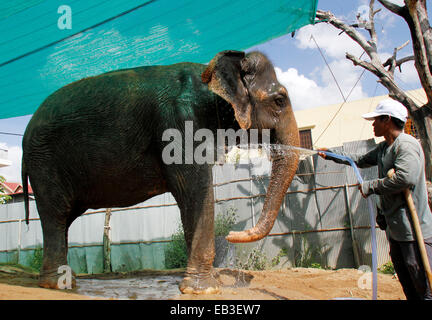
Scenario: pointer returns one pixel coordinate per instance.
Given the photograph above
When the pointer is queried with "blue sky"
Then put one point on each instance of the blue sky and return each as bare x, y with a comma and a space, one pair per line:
299, 67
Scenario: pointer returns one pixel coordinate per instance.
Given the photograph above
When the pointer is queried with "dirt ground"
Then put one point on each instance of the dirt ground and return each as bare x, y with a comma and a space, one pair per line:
19, 284
290, 284
300, 284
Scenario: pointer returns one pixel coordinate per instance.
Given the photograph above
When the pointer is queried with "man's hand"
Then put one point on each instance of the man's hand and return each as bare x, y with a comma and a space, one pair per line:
361, 191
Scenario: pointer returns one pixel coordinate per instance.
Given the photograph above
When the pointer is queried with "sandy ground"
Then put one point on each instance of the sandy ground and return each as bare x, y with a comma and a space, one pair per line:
290, 284
301, 284
17, 284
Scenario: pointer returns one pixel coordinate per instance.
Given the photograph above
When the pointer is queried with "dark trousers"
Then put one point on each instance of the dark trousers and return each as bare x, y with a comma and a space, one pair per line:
408, 265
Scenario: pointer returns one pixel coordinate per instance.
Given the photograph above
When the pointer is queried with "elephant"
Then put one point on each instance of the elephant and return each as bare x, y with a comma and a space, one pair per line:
97, 143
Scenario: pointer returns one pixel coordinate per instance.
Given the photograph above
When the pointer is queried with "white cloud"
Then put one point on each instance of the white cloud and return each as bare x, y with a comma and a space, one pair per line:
306, 93
12, 173
299, 88
319, 87
331, 43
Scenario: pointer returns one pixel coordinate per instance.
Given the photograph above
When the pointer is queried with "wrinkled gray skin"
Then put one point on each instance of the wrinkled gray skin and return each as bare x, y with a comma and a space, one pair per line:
97, 143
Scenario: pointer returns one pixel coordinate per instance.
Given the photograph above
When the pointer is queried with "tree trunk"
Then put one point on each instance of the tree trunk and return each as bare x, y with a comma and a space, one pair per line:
422, 119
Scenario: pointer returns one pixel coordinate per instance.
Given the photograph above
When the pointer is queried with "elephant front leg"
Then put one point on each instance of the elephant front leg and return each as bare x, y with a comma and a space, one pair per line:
197, 213
199, 277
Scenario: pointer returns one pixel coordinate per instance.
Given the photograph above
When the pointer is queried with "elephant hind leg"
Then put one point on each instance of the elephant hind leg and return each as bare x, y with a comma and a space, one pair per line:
54, 251
55, 246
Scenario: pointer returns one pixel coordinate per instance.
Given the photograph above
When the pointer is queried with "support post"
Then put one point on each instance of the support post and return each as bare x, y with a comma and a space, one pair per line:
251, 186
19, 240
354, 241
107, 242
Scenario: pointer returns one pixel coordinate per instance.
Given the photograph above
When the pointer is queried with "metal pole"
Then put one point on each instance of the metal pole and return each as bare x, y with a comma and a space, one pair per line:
350, 215
19, 240
252, 201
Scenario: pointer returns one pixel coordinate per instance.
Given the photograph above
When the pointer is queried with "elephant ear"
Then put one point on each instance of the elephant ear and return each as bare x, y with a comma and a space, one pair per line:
224, 77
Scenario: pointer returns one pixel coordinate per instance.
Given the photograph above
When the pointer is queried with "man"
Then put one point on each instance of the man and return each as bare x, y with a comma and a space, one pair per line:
404, 154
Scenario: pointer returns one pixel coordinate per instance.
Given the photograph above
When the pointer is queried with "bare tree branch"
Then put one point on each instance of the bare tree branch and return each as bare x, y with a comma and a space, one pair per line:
400, 11
392, 62
327, 16
386, 77
398, 63
371, 25
364, 64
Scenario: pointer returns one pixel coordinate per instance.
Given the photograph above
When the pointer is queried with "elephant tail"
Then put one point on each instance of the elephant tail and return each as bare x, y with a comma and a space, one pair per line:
24, 177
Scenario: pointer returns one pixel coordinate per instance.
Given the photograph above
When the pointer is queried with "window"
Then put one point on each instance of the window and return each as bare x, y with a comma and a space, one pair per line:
306, 138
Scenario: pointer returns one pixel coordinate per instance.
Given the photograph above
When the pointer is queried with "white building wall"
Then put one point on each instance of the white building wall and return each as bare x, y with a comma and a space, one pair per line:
4, 157
348, 124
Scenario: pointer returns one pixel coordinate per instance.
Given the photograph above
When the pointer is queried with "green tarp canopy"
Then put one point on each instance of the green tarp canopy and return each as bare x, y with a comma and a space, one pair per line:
44, 46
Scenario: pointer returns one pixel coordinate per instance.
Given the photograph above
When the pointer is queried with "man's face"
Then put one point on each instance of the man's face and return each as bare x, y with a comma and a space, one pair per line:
381, 125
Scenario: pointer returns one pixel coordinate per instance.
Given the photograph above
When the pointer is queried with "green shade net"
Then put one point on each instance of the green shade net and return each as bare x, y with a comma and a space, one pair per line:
37, 57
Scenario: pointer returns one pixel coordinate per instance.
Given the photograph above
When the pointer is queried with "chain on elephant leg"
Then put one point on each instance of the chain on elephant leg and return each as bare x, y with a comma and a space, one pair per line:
200, 280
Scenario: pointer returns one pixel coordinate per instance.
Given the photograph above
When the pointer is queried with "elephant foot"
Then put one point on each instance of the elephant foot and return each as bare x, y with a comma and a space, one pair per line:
200, 284
57, 279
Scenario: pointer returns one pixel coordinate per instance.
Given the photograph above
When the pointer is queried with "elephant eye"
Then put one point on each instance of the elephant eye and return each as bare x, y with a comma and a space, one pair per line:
280, 101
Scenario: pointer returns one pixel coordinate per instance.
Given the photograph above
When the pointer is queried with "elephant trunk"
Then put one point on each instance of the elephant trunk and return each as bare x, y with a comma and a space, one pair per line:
284, 168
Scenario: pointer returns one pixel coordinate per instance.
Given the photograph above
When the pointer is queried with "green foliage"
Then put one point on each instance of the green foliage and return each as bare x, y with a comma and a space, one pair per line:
176, 251
256, 260
276, 260
387, 268
3, 197
305, 257
35, 261
315, 265
225, 221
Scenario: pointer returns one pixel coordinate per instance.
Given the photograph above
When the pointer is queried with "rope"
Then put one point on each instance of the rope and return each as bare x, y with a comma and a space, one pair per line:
328, 66
12, 134
337, 84
340, 108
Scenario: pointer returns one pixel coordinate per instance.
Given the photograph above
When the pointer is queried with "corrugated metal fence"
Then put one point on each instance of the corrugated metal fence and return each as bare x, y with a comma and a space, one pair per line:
323, 221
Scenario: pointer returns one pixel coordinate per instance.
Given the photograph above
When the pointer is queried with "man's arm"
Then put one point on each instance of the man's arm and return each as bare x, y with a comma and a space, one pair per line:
407, 169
